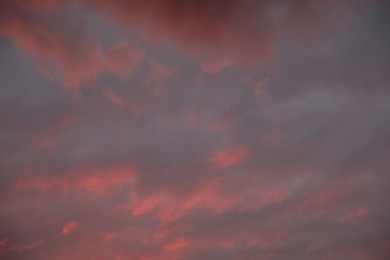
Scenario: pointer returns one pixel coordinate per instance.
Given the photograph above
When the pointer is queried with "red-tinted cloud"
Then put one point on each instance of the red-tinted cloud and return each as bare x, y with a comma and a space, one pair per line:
122, 59
244, 30
47, 31
178, 152
215, 67
114, 98
91, 181
248, 30
68, 228
228, 158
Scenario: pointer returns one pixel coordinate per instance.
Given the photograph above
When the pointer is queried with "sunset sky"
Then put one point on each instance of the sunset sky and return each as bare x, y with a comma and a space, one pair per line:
194, 129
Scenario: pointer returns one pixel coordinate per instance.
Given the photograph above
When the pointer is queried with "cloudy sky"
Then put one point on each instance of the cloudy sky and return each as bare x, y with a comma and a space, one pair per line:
194, 129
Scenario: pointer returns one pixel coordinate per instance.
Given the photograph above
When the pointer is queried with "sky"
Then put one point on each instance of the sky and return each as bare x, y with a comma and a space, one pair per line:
194, 129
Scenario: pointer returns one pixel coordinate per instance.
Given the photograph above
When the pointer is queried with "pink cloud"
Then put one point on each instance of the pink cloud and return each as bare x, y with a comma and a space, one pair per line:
65, 51
74, 63
41, 184
91, 181
324, 197
169, 208
45, 143
31, 245
229, 158
265, 241
355, 215
260, 87
322, 204
69, 228
215, 67
122, 59
115, 99
179, 244
141, 207
211, 195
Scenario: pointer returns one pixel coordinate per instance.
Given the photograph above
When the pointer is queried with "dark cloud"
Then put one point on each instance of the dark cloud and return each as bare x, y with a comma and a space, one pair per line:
248, 30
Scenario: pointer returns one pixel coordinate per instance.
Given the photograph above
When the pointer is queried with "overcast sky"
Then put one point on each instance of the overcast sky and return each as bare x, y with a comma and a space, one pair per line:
194, 129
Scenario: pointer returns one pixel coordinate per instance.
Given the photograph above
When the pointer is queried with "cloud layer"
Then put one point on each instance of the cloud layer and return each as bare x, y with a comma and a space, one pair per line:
194, 129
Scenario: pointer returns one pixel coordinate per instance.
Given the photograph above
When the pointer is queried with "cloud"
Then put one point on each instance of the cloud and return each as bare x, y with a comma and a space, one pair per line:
45, 143
355, 215
51, 33
57, 34
122, 59
215, 67
88, 180
176, 245
228, 158
114, 98
154, 163
248, 30
68, 228
38, 31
